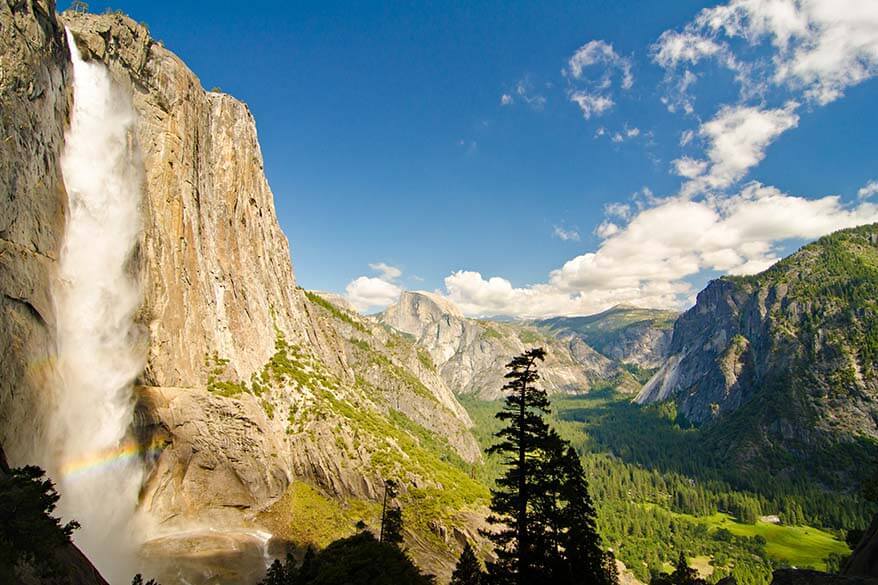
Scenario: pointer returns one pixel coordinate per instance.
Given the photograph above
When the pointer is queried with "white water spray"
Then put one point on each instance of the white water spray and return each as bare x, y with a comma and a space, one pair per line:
100, 349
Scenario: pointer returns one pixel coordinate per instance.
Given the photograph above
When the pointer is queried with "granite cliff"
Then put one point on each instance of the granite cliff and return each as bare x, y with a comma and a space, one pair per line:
786, 361
259, 400
471, 354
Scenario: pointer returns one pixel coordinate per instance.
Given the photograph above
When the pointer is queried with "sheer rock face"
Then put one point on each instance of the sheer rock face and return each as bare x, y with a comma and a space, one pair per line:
471, 355
623, 333
218, 288
217, 275
784, 359
220, 456
34, 110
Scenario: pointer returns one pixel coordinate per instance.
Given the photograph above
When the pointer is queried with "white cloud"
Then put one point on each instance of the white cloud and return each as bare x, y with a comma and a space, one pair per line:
506, 100
369, 293
387, 272
525, 92
593, 93
591, 104
620, 210
600, 53
820, 47
686, 137
736, 138
689, 167
566, 235
689, 47
867, 190
648, 261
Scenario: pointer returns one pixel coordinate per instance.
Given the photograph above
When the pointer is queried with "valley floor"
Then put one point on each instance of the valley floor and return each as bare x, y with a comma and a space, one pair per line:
658, 493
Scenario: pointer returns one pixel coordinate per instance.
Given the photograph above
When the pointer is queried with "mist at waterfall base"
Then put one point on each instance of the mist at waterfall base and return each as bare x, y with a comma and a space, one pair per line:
100, 349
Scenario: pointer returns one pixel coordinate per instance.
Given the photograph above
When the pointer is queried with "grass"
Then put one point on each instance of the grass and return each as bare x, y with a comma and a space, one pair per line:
305, 516
799, 546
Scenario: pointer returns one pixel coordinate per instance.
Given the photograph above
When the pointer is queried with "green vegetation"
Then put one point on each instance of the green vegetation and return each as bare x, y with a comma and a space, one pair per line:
659, 490
543, 516
529, 337
425, 359
305, 516
836, 277
336, 312
604, 328
216, 369
799, 546
374, 357
642, 375
29, 533
489, 332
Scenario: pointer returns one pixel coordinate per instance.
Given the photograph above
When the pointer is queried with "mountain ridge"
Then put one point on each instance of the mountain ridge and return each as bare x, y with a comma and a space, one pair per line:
787, 356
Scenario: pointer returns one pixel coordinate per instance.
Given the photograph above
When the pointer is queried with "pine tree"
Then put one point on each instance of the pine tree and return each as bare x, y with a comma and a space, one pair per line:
511, 501
393, 526
584, 560
684, 574
276, 574
468, 571
390, 492
307, 569
542, 501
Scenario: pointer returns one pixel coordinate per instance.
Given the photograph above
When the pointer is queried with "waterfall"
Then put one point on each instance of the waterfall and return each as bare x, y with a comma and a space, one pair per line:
100, 349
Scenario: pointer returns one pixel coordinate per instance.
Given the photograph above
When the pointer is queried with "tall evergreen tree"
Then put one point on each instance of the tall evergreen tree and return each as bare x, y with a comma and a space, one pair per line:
277, 574
520, 440
548, 520
393, 526
584, 560
390, 492
468, 571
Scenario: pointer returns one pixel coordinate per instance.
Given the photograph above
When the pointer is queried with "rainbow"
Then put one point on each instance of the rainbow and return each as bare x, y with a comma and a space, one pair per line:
115, 457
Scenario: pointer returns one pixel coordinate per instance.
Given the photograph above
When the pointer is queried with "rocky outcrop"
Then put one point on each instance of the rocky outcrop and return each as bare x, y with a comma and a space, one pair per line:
219, 456
216, 268
471, 354
787, 357
250, 383
34, 111
623, 333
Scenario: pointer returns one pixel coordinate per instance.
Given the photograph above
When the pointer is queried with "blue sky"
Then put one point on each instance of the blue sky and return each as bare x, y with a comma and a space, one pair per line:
456, 142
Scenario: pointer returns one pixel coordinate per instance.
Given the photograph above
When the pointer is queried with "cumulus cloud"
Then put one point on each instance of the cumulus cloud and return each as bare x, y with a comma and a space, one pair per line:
506, 100
736, 138
689, 167
566, 235
867, 190
367, 293
819, 47
648, 260
386, 271
375, 292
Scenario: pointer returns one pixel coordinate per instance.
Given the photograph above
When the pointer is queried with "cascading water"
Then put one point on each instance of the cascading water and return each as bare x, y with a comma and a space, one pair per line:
100, 349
